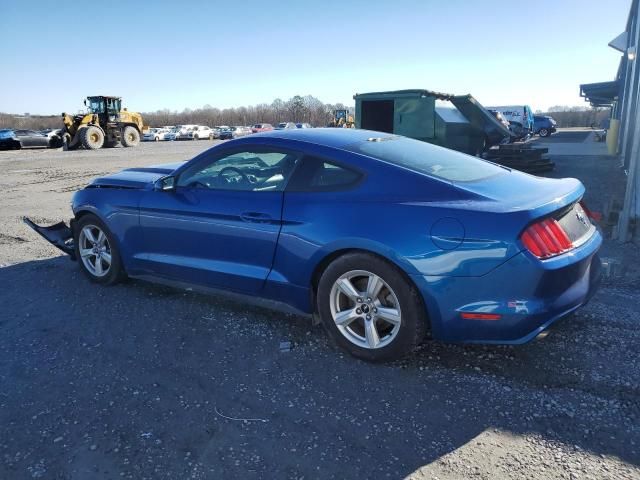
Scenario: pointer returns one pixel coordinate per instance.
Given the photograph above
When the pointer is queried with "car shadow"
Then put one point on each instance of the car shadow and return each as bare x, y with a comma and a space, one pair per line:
144, 379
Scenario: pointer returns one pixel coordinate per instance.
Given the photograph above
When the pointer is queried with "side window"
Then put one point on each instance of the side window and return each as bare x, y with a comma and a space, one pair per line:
264, 170
316, 174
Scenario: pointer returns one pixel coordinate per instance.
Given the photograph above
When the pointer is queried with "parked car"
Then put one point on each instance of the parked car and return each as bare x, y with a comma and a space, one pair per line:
154, 135
225, 133
196, 132
183, 132
520, 118
51, 132
241, 131
172, 134
261, 127
16, 139
303, 125
543, 125
469, 251
285, 125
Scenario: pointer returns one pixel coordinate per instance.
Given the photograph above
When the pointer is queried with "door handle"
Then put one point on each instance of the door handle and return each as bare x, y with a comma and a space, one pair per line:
256, 217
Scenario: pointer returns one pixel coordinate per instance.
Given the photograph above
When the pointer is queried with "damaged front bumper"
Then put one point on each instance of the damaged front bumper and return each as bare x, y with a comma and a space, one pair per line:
58, 235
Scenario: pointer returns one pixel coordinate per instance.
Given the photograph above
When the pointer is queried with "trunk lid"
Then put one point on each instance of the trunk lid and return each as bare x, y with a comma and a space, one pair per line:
515, 191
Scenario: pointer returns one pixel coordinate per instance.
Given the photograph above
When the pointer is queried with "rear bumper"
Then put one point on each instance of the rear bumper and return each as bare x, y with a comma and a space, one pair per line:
528, 294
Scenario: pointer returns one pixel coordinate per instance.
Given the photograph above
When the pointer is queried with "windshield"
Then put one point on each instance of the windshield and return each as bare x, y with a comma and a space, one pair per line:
429, 159
96, 104
102, 104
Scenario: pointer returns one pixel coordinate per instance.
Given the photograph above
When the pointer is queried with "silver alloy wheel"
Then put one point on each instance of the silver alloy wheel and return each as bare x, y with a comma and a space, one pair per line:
365, 309
95, 250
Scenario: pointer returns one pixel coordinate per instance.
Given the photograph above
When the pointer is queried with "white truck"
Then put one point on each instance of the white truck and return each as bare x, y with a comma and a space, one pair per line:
520, 118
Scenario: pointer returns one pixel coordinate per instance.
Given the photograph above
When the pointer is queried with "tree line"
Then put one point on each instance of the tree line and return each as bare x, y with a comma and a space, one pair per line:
297, 109
577, 116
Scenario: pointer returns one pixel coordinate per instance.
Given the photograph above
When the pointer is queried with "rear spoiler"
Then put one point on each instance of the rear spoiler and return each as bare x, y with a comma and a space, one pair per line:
58, 235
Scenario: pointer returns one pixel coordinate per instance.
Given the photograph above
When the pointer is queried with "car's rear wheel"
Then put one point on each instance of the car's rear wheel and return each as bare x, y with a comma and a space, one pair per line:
55, 141
369, 308
543, 132
97, 252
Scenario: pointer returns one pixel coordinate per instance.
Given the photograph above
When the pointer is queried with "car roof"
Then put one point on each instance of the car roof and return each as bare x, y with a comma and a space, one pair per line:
330, 137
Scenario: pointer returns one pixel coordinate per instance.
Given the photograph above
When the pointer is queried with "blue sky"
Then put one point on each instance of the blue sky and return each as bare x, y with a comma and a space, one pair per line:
177, 54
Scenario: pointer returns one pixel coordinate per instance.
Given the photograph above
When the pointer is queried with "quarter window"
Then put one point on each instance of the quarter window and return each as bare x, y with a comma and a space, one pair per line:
316, 174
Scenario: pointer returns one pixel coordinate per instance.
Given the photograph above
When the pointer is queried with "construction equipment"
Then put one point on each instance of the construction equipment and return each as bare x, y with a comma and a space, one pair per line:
342, 119
104, 125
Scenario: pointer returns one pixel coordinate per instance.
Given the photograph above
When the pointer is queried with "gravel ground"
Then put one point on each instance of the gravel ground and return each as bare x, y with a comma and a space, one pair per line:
141, 381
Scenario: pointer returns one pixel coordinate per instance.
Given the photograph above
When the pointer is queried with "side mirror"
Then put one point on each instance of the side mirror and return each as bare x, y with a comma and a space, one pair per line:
166, 184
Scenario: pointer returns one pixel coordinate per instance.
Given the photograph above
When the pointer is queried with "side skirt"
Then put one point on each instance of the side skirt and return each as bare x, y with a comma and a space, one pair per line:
234, 296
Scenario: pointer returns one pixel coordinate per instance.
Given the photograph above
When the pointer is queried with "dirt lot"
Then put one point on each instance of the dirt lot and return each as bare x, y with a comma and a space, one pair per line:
139, 381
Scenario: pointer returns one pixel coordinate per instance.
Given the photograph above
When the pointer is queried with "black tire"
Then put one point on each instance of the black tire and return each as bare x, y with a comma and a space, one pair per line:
130, 137
195, 137
92, 137
55, 142
157, 139
116, 272
414, 322
543, 132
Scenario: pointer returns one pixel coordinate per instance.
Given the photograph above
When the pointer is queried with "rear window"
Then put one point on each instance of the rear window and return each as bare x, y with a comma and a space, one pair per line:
429, 159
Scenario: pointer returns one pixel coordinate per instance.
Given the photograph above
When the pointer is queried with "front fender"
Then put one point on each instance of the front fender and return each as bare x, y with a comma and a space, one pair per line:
118, 210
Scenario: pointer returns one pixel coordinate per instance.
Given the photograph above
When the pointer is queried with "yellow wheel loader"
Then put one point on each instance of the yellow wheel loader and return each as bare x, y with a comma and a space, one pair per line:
104, 125
342, 119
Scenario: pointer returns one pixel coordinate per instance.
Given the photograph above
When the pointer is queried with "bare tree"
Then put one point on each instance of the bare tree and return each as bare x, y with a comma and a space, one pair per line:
297, 109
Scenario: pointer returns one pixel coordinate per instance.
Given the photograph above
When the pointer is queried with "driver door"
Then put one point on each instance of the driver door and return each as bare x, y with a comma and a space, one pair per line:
220, 225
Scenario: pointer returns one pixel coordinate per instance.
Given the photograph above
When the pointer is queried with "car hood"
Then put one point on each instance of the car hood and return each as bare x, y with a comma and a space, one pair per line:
136, 177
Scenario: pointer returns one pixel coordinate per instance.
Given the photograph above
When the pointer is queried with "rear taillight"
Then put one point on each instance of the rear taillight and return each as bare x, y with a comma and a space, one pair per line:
596, 216
546, 238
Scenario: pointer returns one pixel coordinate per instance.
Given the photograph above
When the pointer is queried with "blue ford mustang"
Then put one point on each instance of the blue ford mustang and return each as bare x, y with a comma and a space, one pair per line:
386, 239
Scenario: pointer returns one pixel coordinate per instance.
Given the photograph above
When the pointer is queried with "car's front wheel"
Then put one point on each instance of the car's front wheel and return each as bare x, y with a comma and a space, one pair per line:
544, 132
97, 252
130, 137
369, 308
